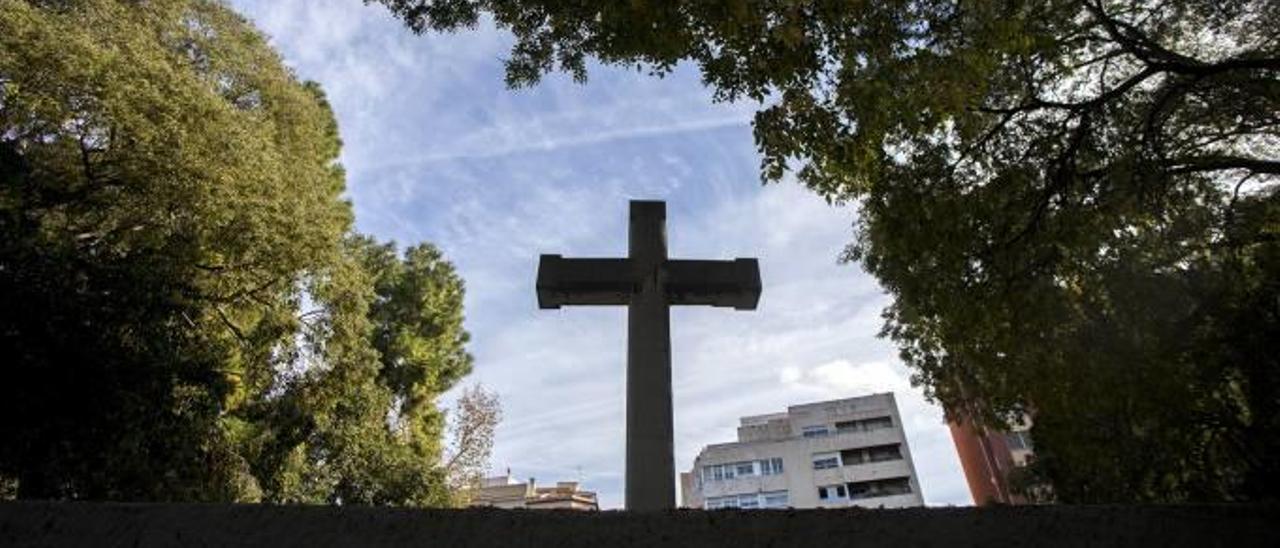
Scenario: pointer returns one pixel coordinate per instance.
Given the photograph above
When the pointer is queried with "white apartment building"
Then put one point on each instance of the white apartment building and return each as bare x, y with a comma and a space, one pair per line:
850, 452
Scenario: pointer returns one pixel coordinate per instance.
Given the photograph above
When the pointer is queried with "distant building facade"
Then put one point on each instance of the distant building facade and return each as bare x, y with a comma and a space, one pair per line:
507, 492
989, 457
849, 452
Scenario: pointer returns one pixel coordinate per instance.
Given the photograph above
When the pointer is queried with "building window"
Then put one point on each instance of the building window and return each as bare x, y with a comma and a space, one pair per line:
878, 453
882, 453
771, 467
879, 488
823, 461
718, 472
879, 423
864, 425
771, 499
748, 468
823, 464
814, 431
714, 503
774, 499
832, 492
712, 473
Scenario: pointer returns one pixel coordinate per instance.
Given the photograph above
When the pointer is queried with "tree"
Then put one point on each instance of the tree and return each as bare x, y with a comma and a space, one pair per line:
187, 313
476, 415
1073, 203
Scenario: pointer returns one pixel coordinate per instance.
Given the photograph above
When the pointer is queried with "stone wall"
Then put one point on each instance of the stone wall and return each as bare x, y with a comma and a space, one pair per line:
90, 524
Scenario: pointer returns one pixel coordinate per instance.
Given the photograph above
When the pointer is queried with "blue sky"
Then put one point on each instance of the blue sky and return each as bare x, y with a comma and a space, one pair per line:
437, 149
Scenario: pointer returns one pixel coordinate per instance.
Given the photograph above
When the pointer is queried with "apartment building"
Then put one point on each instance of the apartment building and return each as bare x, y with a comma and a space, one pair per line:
849, 452
508, 492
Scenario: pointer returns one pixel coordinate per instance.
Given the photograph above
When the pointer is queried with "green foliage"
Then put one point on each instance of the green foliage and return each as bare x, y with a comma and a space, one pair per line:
186, 314
1074, 203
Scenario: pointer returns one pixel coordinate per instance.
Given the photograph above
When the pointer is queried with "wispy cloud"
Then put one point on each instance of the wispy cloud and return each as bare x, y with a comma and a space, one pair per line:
437, 149
516, 142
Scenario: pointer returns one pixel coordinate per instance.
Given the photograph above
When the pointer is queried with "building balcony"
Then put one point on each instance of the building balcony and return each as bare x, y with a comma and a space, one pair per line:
877, 470
862, 472
740, 485
891, 501
852, 440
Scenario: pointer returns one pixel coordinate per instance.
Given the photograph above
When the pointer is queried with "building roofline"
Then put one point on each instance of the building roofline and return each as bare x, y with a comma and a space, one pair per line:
841, 400
750, 420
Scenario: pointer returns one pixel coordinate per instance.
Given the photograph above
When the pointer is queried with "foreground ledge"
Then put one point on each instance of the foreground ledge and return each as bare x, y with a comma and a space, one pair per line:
119, 524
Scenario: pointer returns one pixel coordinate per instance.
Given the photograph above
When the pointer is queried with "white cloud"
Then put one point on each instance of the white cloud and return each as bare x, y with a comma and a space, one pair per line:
838, 377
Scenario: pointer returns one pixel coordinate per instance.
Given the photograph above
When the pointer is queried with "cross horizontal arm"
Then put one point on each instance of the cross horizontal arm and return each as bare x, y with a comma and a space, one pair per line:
733, 283
564, 281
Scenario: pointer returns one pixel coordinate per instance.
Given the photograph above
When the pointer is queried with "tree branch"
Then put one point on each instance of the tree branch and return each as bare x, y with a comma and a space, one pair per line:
1160, 58
1223, 162
231, 325
1036, 103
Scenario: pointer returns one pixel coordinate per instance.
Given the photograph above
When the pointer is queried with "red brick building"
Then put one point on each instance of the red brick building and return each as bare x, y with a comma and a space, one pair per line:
987, 458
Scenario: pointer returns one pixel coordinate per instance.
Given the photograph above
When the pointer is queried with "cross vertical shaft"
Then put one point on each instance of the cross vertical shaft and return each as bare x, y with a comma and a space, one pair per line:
648, 283
650, 424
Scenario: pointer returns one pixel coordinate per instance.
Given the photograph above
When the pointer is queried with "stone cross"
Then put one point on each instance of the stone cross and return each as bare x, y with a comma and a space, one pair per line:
648, 283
